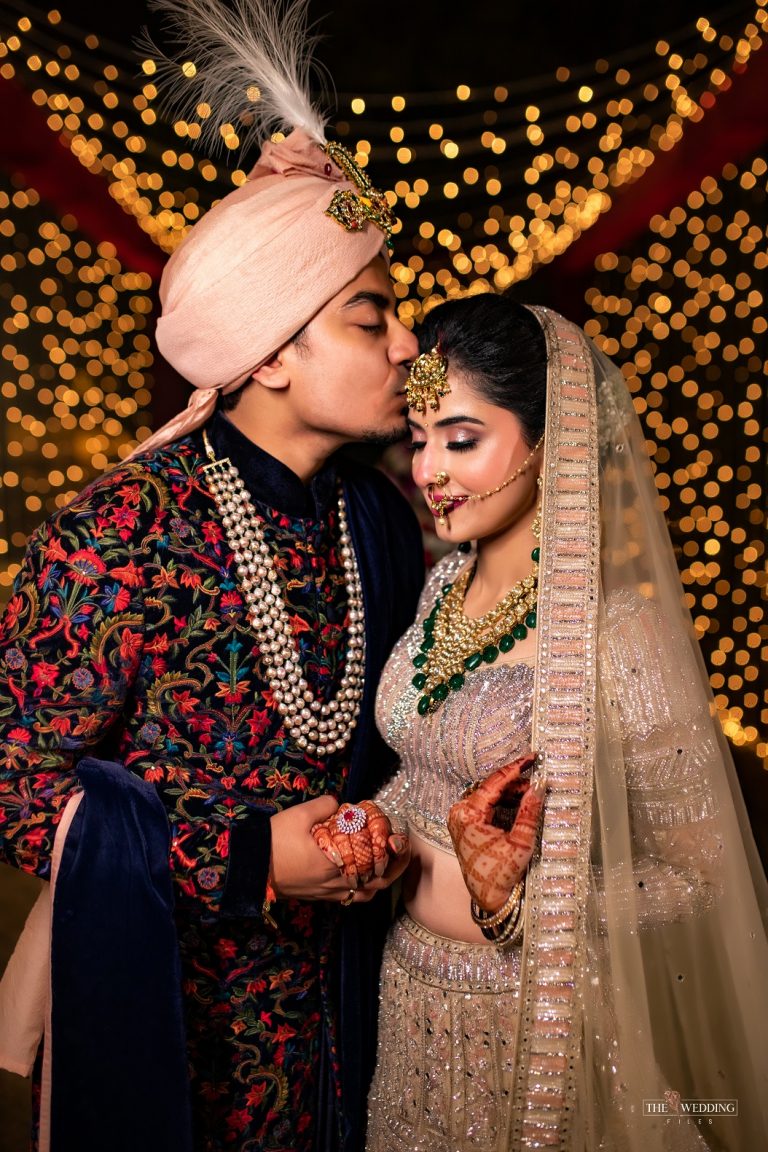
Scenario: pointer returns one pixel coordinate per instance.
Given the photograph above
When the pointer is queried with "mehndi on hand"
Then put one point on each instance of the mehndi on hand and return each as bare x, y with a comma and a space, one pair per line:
358, 839
493, 859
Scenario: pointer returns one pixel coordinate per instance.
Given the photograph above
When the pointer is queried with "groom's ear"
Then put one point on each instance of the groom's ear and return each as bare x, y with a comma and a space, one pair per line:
272, 373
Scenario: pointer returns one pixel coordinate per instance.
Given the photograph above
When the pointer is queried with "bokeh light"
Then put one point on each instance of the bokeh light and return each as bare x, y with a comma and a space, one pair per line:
490, 184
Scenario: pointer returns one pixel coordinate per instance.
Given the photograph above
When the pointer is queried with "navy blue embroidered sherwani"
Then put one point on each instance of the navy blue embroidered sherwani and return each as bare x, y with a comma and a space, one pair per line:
127, 638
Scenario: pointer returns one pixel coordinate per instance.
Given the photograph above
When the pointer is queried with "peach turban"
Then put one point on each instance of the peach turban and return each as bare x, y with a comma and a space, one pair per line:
253, 271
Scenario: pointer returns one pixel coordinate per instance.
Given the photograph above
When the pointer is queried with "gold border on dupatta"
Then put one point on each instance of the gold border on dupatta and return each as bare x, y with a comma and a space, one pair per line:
553, 961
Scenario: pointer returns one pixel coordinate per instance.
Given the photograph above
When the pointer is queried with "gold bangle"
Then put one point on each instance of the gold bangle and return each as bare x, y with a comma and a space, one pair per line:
485, 919
512, 934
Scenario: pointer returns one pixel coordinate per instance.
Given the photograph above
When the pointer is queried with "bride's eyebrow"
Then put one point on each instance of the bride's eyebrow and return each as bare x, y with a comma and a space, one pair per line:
448, 420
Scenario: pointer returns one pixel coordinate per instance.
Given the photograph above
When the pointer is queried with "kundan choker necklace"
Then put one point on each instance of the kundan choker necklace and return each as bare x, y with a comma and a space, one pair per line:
454, 645
317, 728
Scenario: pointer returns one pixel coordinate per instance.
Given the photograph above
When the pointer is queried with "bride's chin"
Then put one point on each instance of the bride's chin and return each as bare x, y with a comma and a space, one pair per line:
453, 534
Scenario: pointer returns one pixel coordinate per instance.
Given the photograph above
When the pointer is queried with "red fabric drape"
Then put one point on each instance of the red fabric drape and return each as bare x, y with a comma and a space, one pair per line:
31, 151
734, 126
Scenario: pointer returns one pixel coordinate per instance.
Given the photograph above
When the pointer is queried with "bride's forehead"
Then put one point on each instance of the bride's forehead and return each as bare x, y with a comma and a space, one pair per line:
462, 401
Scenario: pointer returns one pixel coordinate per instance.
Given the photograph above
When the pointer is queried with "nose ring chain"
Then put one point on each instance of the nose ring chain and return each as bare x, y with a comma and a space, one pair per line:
446, 502
439, 506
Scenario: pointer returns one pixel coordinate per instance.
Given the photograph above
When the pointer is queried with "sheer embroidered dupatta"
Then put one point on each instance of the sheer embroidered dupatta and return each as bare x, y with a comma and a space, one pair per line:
644, 1002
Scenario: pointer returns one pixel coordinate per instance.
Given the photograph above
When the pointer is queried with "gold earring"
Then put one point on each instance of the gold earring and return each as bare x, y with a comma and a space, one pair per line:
536, 523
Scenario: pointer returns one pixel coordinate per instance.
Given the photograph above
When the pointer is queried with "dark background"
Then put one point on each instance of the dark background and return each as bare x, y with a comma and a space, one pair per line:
409, 47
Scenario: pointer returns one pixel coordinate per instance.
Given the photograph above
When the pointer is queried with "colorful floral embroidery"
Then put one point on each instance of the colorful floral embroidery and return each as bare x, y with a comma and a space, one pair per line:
15, 659
82, 678
126, 636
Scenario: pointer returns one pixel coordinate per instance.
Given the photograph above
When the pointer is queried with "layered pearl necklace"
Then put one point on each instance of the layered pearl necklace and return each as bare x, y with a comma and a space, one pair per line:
317, 728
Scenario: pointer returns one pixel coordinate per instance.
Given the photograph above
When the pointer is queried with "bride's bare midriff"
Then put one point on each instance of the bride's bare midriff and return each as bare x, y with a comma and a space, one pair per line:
435, 894
434, 891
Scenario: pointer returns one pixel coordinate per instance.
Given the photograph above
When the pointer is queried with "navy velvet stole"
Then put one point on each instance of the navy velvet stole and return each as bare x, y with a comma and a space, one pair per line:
119, 1072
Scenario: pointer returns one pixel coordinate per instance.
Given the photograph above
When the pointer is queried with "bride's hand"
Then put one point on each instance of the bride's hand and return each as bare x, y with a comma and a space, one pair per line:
492, 860
359, 840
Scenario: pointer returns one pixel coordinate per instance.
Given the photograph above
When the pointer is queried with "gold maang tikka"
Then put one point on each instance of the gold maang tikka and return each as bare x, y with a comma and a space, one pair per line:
427, 381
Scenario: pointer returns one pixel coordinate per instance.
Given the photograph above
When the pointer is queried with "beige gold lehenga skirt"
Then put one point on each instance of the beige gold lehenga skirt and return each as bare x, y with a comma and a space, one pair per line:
447, 1022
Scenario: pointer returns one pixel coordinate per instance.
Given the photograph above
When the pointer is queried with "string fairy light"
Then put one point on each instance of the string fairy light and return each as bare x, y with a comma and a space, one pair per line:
693, 301
76, 383
490, 184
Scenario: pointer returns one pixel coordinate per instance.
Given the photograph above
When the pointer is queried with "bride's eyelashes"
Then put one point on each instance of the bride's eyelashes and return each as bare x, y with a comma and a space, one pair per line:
452, 446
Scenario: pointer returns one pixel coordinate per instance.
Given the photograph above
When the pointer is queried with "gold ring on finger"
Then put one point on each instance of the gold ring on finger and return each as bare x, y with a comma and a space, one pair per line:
348, 898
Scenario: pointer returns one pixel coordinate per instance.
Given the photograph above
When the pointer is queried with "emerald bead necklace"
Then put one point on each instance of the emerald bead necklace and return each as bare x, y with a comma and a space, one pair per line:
453, 645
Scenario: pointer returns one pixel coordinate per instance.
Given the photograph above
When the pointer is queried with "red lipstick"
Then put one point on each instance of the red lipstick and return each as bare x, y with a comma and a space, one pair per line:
441, 504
